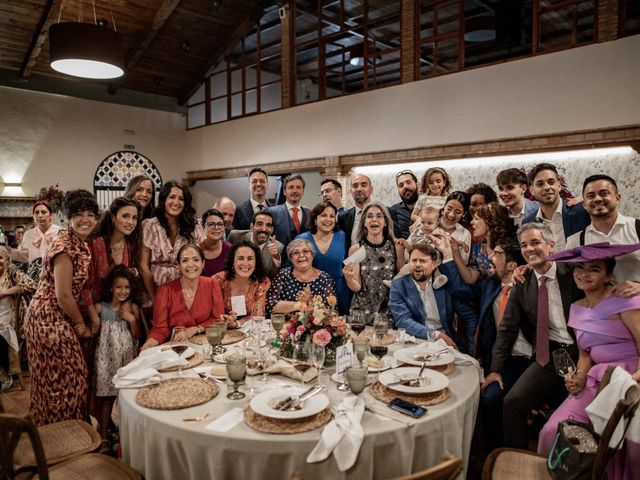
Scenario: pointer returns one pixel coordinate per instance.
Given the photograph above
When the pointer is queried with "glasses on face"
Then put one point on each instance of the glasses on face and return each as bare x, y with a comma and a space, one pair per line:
326, 191
495, 253
297, 253
214, 225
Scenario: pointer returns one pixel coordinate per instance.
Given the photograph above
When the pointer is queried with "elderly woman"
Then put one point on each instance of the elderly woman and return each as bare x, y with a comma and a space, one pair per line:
384, 256
329, 248
13, 284
172, 226
243, 277
191, 301
141, 189
54, 322
300, 281
216, 249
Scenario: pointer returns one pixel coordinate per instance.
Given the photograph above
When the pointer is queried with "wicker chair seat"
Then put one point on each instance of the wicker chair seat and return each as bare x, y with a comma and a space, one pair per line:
92, 466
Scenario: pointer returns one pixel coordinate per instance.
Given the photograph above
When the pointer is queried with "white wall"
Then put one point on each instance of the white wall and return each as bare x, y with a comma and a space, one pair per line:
583, 88
48, 138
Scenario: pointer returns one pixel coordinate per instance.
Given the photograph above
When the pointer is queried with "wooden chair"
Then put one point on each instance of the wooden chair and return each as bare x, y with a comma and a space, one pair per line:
448, 469
90, 466
509, 463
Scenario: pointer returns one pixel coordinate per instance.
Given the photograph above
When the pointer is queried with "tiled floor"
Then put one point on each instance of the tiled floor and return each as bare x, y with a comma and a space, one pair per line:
16, 400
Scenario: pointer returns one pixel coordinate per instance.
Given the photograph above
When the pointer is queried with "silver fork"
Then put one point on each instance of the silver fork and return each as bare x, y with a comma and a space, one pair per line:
213, 379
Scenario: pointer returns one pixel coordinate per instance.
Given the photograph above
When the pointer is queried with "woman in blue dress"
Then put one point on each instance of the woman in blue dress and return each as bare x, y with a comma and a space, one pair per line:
329, 246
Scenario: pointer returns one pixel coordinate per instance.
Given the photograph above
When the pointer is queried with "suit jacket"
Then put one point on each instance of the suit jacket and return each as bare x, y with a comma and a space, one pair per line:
574, 219
407, 308
346, 219
401, 216
522, 311
244, 215
530, 208
236, 236
283, 227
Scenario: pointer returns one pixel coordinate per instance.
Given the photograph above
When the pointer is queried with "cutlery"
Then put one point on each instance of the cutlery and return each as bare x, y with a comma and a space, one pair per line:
213, 379
296, 403
287, 403
197, 419
414, 382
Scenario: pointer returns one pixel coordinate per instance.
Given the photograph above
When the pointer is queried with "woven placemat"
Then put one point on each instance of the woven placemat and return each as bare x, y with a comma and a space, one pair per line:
198, 339
195, 360
385, 395
388, 339
279, 426
177, 393
233, 336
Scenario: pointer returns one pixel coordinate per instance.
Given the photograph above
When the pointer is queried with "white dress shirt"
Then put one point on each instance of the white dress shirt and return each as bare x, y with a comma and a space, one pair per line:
299, 207
556, 226
431, 313
255, 204
557, 323
36, 243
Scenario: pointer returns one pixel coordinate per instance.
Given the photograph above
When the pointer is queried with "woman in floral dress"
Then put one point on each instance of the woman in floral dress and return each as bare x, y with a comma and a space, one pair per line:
54, 322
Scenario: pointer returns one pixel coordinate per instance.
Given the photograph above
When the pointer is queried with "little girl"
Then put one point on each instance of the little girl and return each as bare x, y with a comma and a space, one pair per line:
121, 326
435, 186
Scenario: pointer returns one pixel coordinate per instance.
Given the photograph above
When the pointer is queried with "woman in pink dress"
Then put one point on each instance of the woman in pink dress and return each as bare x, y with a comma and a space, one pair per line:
608, 333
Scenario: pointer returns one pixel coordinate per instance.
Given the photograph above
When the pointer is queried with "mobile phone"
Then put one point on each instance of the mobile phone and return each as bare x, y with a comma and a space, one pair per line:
407, 408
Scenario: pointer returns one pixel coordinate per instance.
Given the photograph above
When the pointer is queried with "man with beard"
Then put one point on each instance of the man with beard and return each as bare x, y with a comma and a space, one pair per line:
601, 200
407, 184
349, 220
415, 305
562, 219
261, 234
258, 184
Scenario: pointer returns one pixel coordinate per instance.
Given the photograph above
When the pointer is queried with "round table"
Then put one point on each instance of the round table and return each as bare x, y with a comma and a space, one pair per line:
160, 445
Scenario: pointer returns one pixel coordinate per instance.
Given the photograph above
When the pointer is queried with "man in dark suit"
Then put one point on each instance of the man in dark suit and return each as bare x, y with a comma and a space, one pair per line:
415, 305
258, 184
554, 211
331, 192
261, 235
290, 219
539, 308
400, 212
349, 220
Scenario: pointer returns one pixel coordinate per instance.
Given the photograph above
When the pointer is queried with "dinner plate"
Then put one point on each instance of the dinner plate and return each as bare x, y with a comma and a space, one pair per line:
264, 402
436, 381
418, 355
388, 363
219, 358
188, 353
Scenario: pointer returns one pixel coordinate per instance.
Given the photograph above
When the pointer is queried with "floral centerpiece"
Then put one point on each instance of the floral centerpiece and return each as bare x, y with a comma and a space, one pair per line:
315, 322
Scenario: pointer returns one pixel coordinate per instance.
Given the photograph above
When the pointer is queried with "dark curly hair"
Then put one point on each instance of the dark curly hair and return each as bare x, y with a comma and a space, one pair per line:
316, 212
76, 201
187, 220
499, 224
106, 226
258, 272
483, 189
120, 271
130, 191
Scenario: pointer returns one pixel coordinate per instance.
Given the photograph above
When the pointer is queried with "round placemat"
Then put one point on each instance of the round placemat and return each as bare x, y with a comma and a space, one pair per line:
444, 369
198, 339
279, 426
177, 393
388, 339
233, 336
194, 361
385, 395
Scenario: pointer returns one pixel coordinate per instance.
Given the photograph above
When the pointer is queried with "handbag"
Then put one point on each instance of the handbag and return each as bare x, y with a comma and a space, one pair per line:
573, 452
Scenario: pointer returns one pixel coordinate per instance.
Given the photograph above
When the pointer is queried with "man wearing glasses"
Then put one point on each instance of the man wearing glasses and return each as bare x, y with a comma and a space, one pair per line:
407, 184
331, 192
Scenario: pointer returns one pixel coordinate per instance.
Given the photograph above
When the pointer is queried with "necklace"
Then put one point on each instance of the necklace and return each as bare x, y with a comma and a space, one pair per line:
189, 293
118, 246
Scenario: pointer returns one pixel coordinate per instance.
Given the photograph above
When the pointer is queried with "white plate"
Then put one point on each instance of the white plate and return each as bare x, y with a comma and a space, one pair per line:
413, 355
188, 353
264, 402
219, 358
436, 380
340, 378
388, 363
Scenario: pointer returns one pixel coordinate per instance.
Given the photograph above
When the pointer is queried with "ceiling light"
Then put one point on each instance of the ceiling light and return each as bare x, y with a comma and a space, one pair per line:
86, 50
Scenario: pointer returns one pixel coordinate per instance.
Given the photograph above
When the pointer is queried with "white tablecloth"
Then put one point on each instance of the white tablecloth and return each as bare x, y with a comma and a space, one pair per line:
160, 445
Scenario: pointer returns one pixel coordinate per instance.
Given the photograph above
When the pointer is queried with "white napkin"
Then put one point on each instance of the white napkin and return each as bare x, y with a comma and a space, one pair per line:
461, 359
143, 370
343, 435
601, 408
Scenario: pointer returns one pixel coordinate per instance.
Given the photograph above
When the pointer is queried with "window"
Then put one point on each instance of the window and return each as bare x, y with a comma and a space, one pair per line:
629, 11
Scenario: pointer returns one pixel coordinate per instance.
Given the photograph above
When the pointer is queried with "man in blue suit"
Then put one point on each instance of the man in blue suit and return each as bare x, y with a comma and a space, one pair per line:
290, 219
258, 184
416, 306
554, 211
512, 187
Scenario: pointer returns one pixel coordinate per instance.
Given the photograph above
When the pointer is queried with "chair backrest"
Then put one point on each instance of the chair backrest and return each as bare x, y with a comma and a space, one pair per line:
12, 426
625, 410
448, 469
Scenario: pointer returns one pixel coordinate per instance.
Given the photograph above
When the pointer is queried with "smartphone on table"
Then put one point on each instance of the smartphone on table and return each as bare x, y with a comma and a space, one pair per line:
407, 408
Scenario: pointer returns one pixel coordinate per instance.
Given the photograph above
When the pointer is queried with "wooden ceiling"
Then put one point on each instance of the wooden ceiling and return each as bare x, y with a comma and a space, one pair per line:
169, 44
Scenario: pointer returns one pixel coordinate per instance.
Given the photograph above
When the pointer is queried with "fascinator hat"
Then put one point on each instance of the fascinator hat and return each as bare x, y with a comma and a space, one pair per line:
594, 251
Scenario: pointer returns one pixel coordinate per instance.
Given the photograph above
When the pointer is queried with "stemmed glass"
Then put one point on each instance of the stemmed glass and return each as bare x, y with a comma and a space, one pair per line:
317, 357
356, 321
300, 359
254, 361
378, 349
563, 363
381, 325
265, 355
221, 323
277, 322
236, 370
214, 338
357, 378
361, 347
179, 344
257, 317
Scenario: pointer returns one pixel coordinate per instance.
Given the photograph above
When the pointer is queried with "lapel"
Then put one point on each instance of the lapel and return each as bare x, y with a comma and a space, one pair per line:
531, 297
413, 298
566, 218
492, 289
441, 300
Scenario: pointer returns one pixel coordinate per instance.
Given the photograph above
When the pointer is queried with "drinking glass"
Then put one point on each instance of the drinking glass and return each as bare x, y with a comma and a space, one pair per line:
356, 321
563, 363
317, 357
179, 344
254, 362
214, 338
361, 347
357, 378
222, 324
381, 325
265, 356
301, 359
378, 349
277, 322
257, 318
236, 370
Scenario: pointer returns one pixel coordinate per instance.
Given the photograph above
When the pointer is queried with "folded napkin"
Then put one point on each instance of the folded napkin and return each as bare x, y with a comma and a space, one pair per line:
143, 370
460, 358
601, 408
286, 368
343, 435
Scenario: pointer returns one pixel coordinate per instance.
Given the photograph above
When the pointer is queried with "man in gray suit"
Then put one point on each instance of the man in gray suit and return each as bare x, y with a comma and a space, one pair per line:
261, 234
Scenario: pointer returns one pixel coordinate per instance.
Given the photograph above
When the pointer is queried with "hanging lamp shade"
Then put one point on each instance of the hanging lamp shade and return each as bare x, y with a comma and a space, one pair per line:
86, 50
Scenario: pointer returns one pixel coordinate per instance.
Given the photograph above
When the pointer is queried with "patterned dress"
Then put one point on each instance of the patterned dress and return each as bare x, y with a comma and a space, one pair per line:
257, 292
58, 369
286, 287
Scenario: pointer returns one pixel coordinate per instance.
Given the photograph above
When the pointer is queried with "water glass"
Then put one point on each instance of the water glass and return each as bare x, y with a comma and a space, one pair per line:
277, 322
236, 370
317, 357
381, 325
214, 338
301, 359
357, 378
361, 348
402, 333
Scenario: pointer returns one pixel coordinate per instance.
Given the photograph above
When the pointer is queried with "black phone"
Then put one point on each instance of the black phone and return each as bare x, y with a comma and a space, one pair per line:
407, 408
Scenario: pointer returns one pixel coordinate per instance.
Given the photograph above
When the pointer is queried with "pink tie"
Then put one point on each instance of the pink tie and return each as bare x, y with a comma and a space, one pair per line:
296, 220
542, 324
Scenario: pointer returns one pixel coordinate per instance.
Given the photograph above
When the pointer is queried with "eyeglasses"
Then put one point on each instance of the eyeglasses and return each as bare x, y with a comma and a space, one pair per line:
496, 253
214, 225
326, 190
297, 253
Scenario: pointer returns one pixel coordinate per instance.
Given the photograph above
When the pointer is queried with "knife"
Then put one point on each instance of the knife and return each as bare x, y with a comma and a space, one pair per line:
289, 402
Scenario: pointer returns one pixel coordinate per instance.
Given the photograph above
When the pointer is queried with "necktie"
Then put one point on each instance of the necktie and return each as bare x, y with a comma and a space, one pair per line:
260, 207
542, 324
502, 304
296, 220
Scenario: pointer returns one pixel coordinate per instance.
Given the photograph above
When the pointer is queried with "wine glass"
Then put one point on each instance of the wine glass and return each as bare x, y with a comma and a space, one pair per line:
257, 317
301, 358
179, 344
265, 356
563, 363
361, 347
378, 349
277, 322
254, 362
214, 338
236, 370
317, 357
356, 321
381, 325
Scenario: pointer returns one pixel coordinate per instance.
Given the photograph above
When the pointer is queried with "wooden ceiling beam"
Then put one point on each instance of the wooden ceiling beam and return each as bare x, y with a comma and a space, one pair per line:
39, 37
162, 15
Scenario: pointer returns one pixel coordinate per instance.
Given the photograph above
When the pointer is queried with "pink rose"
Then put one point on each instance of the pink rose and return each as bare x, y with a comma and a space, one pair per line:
322, 337
301, 329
